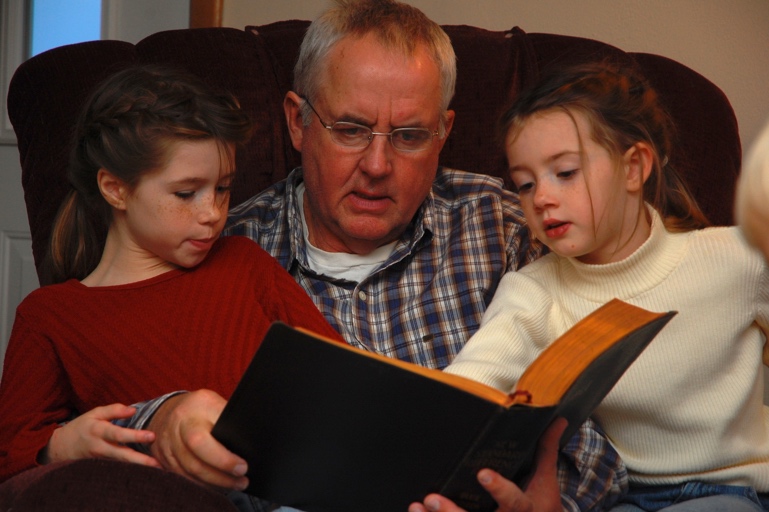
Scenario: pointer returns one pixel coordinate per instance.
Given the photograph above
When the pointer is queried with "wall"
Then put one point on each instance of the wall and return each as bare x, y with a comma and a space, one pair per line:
728, 42
132, 20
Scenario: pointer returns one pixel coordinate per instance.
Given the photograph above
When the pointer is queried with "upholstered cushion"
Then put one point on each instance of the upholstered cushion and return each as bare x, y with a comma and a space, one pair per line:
95, 484
707, 152
44, 98
236, 61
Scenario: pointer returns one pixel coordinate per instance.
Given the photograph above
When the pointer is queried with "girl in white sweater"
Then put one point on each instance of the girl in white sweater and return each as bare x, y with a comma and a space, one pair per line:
587, 150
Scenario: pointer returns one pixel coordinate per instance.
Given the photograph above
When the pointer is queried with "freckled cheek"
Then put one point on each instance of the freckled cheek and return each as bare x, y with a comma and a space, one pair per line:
531, 218
574, 199
528, 208
178, 211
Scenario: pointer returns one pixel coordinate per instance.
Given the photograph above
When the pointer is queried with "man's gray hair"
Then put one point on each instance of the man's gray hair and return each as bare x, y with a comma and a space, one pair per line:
398, 26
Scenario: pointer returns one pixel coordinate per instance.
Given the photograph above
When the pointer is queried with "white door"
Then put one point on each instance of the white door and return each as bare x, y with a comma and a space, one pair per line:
17, 269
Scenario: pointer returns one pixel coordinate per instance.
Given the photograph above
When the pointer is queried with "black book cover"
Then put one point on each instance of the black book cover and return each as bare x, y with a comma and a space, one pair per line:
328, 428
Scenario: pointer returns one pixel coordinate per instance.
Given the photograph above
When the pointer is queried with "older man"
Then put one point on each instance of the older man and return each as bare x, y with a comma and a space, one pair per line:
401, 255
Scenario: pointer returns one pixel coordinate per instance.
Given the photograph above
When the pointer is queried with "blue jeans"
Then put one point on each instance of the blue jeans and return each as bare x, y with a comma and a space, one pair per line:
693, 497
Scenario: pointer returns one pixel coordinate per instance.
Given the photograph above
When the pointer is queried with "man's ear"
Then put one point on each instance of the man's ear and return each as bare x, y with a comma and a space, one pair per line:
637, 161
113, 189
292, 104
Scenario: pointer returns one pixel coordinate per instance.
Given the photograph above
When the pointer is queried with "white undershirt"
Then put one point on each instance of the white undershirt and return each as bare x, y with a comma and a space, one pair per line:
341, 265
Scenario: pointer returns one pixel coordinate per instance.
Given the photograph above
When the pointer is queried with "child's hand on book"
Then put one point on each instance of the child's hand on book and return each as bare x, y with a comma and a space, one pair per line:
542, 493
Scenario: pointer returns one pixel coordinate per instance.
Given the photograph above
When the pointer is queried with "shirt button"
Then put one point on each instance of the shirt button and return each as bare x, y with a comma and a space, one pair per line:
362, 295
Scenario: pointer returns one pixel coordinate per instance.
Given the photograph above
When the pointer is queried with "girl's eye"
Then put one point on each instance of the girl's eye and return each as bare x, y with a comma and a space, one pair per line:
223, 189
185, 194
567, 174
524, 187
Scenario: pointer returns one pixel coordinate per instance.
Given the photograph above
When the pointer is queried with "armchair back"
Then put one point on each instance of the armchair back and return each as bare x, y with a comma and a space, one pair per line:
256, 64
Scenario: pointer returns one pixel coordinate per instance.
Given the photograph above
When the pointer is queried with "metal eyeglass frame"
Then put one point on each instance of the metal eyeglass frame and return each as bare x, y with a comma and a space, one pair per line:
336, 130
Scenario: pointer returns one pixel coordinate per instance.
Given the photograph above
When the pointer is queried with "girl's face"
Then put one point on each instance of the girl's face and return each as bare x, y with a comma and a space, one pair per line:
577, 199
173, 216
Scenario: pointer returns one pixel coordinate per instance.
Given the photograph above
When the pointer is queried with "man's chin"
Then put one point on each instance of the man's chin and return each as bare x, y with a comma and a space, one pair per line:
367, 238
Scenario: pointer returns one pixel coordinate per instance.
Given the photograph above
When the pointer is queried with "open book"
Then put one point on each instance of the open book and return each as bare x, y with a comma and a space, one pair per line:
330, 428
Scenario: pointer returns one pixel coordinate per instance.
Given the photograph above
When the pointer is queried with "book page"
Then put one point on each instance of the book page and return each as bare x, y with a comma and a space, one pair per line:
471, 386
551, 375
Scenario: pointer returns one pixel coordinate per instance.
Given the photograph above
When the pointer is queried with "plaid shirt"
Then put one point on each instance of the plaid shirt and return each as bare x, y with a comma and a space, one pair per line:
426, 300
591, 475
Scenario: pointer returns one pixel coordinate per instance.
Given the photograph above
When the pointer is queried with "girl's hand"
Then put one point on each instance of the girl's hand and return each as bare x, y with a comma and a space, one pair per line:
541, 495
91, 435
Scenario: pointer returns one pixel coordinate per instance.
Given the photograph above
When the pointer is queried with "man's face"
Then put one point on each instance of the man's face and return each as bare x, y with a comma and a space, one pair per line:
358, 199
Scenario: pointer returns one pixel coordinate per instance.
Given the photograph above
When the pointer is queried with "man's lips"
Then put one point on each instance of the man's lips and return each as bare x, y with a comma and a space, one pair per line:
369, 202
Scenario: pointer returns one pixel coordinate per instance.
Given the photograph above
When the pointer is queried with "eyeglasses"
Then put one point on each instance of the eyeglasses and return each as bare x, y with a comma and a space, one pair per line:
355, 135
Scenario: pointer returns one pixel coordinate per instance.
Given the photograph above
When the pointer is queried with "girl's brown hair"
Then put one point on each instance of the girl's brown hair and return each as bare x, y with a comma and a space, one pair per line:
622, 110
127, 127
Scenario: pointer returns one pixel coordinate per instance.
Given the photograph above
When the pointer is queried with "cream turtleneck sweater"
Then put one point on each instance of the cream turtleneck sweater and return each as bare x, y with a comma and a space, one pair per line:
691, 406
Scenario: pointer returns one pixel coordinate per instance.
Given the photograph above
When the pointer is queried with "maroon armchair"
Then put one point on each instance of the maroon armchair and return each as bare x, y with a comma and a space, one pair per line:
256, 64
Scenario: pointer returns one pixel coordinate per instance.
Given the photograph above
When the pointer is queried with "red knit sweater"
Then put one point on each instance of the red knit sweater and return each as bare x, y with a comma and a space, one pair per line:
74, 348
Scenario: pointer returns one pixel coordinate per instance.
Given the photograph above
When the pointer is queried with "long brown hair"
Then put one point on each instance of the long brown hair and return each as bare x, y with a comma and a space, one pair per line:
622, 109
127, 127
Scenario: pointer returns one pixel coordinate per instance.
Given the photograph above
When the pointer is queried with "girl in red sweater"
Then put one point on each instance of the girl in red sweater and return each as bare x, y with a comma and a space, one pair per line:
149, 299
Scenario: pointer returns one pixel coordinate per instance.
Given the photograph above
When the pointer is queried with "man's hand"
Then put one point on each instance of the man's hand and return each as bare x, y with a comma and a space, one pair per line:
542, 492
91, 435
184, 443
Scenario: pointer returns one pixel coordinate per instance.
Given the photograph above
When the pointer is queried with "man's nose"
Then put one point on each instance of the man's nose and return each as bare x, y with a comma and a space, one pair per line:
377, 157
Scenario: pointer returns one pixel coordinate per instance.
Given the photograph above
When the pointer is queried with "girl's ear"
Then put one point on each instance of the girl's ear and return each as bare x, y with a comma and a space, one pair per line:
637, 161
113, 189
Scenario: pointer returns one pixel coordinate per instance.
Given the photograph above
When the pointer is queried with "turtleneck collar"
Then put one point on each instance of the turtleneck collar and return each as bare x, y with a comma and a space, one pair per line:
649, 265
